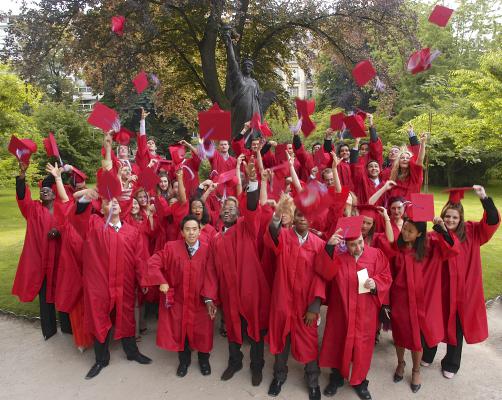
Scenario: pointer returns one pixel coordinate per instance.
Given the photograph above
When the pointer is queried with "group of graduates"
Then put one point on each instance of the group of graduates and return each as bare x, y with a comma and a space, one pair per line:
276, 232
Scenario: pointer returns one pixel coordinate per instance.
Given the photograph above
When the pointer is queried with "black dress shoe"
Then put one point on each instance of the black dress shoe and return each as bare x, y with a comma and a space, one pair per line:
205, 368
182, 370
398, 378
275, 388
362, 390
335, 381
141, 358
415, 388
256, 377
315, 393
95, 370
230, 371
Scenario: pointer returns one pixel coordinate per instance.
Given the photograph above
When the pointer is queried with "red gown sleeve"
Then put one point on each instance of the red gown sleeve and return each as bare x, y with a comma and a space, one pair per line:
484, 231
155, 269
210, 286
25, 205
382, 278
376, 152
326, 266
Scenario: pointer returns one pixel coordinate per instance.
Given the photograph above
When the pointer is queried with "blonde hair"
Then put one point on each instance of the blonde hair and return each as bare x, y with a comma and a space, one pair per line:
396, 173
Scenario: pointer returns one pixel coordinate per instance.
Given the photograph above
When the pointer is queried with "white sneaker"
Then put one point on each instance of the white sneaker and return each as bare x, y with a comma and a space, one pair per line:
424, 364
448, 375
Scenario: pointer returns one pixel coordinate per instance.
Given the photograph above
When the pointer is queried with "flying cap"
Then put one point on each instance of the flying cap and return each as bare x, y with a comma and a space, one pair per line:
140, 82
305, 109
148, 179
336, 122
215, 124
363, 72
118, 22
22, 149
104, 117
108, 184
51, 147
440, 15
355, 124
421, 60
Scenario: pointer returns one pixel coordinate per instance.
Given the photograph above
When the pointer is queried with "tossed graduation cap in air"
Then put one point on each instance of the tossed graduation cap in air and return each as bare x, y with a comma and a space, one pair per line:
140, 82
440, 15
118, 22
22, 149
305, 108
215, 124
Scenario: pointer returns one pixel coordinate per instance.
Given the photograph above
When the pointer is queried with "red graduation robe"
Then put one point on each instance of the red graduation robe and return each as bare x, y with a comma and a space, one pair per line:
236, 279
294, 272
188, 316
352, 318
39, 257
415, 294
411, 184
462, 286
113, 264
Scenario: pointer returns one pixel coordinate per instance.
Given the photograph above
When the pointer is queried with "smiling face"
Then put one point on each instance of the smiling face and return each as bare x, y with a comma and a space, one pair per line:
228, 213
316, 148
142, 198
125, 173
255, 145
164, 183
46, 194
452, 219
393, 153
327, 177
373, 169
191, 232
300, 223
135, 207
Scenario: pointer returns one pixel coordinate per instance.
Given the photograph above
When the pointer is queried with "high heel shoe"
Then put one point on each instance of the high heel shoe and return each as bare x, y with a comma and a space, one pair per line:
415, 388
398, 378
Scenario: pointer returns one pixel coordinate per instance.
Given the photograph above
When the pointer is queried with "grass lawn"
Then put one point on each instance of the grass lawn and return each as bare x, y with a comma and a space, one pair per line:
13, 226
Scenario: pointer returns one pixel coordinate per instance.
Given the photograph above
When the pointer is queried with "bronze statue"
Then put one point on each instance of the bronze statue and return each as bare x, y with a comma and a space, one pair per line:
246, 96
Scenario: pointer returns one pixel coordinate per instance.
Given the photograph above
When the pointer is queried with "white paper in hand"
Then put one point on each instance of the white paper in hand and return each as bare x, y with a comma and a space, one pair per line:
362, 277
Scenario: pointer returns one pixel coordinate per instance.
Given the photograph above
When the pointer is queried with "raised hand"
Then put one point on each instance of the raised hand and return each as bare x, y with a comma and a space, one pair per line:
336, 160
144, 114
53, 170
480, 191
336, 238
439, 221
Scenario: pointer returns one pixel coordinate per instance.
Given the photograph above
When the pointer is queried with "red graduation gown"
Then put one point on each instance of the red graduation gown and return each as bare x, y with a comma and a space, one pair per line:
236, 279
411, 184
113, 264
188, 316
352, 318
39, 257
415, 294
294, 272
462, 286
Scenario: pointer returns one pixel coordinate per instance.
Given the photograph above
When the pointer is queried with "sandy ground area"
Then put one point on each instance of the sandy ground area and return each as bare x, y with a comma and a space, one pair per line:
34, 369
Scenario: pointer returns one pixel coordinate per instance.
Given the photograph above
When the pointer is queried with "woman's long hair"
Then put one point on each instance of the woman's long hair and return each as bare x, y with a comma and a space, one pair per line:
460, 231
420, 245
396, 173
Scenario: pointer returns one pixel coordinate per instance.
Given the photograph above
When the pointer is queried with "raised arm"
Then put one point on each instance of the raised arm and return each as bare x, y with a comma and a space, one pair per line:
389, 232
292, 172
334, 167
263, 187
380, 192
181, 186
56, 173
240, 159
421, 152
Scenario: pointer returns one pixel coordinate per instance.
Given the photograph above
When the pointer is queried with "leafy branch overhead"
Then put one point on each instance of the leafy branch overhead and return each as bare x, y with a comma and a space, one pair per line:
180, 42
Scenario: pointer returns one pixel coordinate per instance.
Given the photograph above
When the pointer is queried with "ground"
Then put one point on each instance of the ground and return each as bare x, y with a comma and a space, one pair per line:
54, 370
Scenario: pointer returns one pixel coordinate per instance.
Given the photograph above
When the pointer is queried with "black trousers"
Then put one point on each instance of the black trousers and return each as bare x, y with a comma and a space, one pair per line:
102, 350
185, 356
312, 370
256, 352
48, 315
451, 361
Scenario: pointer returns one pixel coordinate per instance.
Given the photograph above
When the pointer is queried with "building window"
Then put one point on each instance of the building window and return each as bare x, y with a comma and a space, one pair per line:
293, 91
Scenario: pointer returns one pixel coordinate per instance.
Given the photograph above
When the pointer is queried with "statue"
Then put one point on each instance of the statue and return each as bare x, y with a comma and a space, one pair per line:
246, 96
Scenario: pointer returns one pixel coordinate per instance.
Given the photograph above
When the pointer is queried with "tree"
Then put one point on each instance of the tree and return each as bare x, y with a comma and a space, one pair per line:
179, 41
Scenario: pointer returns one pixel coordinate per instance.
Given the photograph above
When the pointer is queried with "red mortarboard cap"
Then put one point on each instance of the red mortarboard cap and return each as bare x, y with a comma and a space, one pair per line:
305, 108
421, 60
265, 129
22, 149
368, 210
421, 208
361, 114
355, 124
215, 124
123, 136
77, 175
336, 122
108, 184
51, 147
440, 15
166, 165
118, 24
456, 194
280, 153
140, 82
262, 127
350, 227
148, 179
363, 72
307, 201
103, 117
226, 176
177, 152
